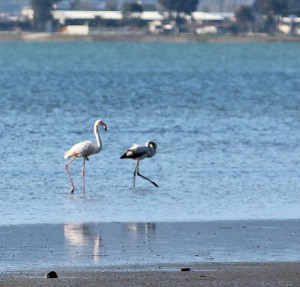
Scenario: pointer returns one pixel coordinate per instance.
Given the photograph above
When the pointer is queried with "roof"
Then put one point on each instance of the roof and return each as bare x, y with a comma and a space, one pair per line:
72, 14
151, 15
203, 16
63, 15
112, 15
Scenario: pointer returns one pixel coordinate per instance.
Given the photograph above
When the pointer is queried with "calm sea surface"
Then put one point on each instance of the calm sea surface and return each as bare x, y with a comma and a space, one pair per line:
225, 117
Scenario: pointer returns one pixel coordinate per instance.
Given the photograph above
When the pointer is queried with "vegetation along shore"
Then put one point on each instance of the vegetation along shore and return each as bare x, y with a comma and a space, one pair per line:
138, 37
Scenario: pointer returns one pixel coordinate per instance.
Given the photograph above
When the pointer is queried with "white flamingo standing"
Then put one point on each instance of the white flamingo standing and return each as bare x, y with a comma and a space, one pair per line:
139, 152
84, 149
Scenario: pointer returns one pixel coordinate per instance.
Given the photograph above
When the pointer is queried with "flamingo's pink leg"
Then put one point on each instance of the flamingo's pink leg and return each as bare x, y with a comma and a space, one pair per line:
70, 178
83, 180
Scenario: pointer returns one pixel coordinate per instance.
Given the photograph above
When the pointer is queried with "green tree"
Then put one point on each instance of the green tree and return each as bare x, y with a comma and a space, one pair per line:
294, 7
129, 16
42, 12
132, 7
149, 7
270, 24
111, 5
176, 7
271, 9
277, 7
185, 6
245, 18
80, 5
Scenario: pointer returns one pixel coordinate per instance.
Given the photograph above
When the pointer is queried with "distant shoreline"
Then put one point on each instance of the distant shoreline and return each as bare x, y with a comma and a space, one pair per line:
143, 38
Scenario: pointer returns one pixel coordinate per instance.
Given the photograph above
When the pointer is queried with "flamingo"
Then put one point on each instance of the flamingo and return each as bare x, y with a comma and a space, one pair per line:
139, 152
84, 149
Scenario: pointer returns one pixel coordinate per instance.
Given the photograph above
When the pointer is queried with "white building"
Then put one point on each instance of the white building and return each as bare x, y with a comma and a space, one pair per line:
289, 25
63, 15
203, 16
27, 13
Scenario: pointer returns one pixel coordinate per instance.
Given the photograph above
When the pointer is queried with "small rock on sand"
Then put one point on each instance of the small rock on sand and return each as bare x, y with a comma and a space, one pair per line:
51, 274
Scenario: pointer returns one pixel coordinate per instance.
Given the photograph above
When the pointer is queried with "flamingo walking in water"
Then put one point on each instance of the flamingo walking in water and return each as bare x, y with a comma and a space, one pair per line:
84, 149
139, 152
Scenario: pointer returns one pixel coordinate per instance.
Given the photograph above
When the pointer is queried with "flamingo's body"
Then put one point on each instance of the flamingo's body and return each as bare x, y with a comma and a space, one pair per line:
84, 149
139, 152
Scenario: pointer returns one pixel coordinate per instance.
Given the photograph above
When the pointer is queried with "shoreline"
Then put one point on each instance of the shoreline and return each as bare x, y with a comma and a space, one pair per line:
143, 38
218, 253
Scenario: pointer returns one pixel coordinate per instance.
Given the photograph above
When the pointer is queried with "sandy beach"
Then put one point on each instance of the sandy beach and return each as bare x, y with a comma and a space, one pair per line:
220, 253
240, 274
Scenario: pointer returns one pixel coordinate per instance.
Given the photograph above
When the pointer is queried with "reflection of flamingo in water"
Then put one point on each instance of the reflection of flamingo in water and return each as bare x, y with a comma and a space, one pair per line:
84, 238
84, 149
139, 152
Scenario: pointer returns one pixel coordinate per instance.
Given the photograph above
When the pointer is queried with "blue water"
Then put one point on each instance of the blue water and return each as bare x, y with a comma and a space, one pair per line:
225, 117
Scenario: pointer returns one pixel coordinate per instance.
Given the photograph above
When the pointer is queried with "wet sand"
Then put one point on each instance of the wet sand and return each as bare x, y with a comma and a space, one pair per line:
219, 253
228, 274
119, 245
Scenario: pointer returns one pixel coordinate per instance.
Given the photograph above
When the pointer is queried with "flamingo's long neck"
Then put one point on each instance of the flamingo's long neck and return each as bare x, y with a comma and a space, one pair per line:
98, 138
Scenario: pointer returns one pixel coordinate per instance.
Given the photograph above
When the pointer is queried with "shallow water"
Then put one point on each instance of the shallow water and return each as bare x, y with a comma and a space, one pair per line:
140, 246
225, 118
